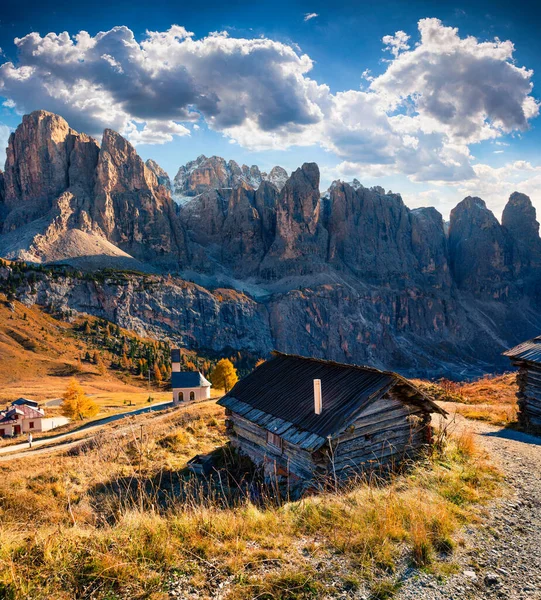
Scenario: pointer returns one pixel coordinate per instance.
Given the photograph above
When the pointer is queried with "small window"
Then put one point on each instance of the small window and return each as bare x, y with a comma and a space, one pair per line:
192, 395
180, 396
31, 424
274, 441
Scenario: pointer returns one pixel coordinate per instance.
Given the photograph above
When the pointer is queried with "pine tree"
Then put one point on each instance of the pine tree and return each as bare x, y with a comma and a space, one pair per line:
87, 329
224, 375
76, 404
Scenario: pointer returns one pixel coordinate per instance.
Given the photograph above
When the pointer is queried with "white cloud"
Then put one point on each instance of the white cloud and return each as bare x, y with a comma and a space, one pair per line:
418, 118
113, 80
466, 89
309, 16
5, 132
396, 43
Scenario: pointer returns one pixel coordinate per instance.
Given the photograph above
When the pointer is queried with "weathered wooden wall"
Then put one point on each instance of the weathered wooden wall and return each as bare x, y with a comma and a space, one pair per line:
252, 440
384, 434
529, 393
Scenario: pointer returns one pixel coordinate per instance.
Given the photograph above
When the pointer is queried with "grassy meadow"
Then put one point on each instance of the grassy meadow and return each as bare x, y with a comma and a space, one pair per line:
121, 517
491, 398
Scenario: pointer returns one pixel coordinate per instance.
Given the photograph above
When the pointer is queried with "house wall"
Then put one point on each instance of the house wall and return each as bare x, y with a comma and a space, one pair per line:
384, 434
251, 439
40, 424
529, 394
200, 393
6, 430
53, 422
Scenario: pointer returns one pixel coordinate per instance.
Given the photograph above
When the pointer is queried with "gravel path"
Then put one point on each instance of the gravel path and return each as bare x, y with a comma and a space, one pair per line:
502, 557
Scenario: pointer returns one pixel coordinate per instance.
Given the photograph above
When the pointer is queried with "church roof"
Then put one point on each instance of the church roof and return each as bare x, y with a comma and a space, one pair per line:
188, 379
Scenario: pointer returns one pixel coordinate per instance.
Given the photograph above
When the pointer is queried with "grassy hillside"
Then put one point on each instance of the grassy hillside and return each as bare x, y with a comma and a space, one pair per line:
40, 354
122, 518
491, 398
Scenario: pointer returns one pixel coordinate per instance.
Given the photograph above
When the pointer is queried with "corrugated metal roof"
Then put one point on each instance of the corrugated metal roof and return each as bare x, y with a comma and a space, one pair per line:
279, 396
188, 379
529, 350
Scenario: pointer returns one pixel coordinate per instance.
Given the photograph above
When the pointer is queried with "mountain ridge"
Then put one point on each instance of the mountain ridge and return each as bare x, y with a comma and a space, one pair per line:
352, 274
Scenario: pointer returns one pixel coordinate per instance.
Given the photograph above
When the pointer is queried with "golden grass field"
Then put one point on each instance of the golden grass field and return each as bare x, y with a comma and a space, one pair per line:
491, 398
121, 518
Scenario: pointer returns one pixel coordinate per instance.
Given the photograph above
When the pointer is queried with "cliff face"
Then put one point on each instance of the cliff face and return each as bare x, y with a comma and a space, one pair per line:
480, 250
131, 208
354, 276
58, 181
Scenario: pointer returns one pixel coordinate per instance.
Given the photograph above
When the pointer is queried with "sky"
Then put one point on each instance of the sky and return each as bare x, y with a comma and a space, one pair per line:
435, 100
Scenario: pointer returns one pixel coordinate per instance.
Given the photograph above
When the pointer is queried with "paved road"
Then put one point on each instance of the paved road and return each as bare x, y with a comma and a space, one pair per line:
92, 425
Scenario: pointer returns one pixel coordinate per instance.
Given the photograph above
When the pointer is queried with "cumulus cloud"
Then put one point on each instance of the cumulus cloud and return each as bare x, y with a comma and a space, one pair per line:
468, 90
396, 43
310, 16
113, 80
419, 117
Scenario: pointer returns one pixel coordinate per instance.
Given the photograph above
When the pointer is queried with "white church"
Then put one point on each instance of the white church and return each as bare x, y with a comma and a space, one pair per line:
187, 385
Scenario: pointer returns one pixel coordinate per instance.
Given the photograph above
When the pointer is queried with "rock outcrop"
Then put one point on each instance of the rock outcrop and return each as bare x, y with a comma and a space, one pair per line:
131, 208
519, 219
161, 175
58, 181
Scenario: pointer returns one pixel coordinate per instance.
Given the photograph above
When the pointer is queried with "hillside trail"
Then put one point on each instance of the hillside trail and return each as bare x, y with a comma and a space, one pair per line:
501, 557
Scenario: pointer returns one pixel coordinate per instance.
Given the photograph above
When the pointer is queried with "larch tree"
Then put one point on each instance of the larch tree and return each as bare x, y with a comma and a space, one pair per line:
157, 373
224, 375
76, 404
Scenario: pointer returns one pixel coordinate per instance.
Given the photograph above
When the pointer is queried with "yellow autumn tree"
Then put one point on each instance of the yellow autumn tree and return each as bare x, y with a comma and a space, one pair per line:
76, 404
224, 375
157, 373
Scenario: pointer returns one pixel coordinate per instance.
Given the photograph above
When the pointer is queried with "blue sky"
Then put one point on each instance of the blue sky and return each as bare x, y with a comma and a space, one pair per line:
294, 90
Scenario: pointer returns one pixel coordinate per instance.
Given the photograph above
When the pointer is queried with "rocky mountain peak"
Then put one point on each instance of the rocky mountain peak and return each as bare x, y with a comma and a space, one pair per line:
519, 216
36, 169
480, 248
278, 177
519, 219
203, 174
161, 175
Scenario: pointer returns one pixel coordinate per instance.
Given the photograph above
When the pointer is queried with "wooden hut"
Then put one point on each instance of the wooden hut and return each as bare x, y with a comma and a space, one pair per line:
527, 357
308, 419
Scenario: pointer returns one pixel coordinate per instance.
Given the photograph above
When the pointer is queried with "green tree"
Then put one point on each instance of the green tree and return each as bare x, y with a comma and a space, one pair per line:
224, 375
76, 404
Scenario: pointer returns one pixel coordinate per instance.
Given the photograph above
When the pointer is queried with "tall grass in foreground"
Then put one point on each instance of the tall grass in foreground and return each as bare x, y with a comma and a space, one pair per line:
90, 525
